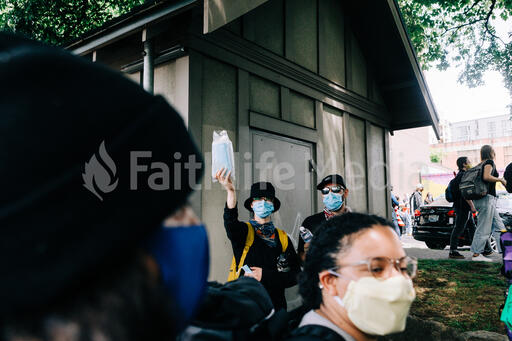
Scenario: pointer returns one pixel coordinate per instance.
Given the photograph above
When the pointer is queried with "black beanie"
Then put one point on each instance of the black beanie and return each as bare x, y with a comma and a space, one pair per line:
55, 111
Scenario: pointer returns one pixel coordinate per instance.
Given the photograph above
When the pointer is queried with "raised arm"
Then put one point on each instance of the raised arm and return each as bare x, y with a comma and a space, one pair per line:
235, 229
226, 182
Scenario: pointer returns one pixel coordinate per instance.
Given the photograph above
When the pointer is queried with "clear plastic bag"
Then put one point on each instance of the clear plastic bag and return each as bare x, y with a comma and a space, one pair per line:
222, 154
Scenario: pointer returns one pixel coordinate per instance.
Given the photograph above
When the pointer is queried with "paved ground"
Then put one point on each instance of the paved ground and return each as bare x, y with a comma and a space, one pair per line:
420, 250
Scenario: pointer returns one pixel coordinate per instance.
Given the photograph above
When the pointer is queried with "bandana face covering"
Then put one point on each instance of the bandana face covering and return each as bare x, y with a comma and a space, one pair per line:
182, 255
267, 232
378, 307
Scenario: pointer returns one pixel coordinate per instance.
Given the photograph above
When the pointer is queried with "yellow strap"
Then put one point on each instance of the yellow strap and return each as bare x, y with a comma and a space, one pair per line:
283, 237
234, 271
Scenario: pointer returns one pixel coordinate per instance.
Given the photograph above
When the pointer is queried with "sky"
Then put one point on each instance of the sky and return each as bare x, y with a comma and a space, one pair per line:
456, 102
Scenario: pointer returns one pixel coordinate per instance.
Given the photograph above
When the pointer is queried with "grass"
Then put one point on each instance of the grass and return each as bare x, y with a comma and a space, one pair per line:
462, 295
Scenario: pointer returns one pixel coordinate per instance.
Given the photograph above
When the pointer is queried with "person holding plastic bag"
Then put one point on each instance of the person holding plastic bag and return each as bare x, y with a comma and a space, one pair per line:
265, 250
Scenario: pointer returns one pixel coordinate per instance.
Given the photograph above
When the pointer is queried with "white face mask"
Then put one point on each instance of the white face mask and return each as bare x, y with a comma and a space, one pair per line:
378, 307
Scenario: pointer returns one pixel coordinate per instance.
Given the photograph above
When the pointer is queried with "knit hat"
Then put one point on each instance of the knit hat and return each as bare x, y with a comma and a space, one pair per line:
62, 221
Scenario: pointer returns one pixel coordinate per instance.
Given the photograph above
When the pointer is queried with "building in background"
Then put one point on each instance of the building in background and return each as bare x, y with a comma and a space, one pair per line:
409, 154
467, 137
305, 88
445, 133
483, 128
435, 179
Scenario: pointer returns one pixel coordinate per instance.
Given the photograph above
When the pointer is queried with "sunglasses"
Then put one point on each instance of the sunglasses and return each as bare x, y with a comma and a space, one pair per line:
334, 189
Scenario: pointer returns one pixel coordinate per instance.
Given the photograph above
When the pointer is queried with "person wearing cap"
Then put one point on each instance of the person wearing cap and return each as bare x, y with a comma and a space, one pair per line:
416, 198
334, 196
91, 263
275, 266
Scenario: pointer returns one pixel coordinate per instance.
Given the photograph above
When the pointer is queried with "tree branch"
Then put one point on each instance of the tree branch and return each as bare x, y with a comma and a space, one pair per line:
488, 17
456, 28
472, 6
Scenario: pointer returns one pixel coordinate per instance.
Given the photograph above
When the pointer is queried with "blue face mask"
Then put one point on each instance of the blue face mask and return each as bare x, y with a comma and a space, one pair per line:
333, 201
182, 256
262, 208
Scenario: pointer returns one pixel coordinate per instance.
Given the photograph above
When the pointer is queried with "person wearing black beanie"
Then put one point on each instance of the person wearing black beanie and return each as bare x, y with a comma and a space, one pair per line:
83, 251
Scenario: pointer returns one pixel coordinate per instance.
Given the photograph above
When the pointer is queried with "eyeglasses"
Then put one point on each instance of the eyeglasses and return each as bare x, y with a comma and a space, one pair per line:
334, 189
381, 267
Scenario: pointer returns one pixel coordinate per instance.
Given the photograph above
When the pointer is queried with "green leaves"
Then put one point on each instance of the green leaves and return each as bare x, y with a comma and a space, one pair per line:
460, 33
59, 21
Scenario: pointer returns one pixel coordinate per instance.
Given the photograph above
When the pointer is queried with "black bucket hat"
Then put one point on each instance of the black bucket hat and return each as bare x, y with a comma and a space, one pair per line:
262, 189
56, 109
331, 179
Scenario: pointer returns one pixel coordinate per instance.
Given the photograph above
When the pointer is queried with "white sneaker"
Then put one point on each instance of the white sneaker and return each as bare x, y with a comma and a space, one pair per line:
481, 258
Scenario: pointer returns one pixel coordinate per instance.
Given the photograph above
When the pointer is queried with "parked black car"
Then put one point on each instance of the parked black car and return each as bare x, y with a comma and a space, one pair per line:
434, 223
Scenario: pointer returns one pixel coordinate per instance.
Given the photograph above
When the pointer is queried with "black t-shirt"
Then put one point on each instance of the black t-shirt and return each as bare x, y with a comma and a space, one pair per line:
494, 172
311, 223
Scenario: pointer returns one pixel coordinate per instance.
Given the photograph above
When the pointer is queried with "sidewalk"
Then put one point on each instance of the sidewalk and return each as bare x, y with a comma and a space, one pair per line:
419, 250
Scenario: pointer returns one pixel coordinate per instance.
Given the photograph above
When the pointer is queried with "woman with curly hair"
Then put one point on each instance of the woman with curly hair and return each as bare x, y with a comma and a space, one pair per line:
357, 281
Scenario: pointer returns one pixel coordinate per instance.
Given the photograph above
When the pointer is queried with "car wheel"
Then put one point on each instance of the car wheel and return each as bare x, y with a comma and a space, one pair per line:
493, 243
436, 245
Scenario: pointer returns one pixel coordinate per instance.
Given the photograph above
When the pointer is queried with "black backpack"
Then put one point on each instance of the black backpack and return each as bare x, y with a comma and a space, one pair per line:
448, 193
452, 192
235, 311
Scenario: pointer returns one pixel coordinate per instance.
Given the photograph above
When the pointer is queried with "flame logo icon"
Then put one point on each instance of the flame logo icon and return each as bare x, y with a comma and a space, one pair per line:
100, 173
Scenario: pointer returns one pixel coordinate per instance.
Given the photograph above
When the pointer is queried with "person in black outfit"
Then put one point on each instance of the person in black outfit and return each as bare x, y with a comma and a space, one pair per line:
463, 208
334, 195
275, 269
76, 265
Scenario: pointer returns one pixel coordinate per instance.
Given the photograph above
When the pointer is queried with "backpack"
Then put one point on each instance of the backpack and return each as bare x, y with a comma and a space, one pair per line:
448, 193
234, 271
452, 192
239, 310
472, 186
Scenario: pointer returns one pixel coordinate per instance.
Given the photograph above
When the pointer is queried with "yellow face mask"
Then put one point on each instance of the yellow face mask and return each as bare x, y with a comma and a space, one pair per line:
378, 307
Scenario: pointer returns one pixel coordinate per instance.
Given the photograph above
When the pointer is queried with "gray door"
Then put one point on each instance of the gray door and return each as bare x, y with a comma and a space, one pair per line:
285, 163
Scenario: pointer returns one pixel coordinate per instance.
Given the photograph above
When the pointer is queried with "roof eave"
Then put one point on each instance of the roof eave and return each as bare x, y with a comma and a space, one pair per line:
122, 28
411, 54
